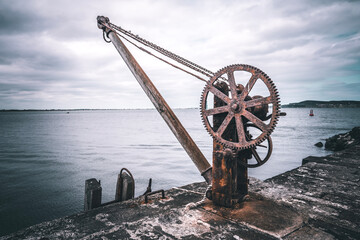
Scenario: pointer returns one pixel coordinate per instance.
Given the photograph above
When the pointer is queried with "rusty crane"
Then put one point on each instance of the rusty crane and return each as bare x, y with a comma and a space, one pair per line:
239, 106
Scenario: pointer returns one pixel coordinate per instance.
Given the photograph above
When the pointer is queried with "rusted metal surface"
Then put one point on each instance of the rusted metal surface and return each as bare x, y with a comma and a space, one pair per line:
238, 122
159, 102
230, 178
222, 186
222, 170
125, 186
153, 193
267, 215
93, 192
185, 62
259, 160
148, 189
241, 179
240, 107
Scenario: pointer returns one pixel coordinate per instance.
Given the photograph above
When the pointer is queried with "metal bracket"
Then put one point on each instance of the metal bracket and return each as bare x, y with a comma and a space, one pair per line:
155, 192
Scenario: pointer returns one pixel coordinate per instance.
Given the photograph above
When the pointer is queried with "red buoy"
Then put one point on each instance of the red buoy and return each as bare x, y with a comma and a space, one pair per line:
311, 113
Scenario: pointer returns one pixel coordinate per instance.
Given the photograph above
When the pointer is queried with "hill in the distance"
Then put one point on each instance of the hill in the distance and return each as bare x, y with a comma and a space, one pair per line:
323, 104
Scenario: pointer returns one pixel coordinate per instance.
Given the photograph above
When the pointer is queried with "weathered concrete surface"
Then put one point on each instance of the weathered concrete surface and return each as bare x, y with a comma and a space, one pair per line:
180, 215
324, 189
319, 200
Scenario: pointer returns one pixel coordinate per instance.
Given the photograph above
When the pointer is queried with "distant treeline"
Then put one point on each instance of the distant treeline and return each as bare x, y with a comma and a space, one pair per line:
323, 104
69, 110
33, 110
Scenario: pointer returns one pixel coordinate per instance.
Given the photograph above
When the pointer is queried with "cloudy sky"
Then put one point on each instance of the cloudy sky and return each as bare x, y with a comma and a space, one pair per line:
52, 55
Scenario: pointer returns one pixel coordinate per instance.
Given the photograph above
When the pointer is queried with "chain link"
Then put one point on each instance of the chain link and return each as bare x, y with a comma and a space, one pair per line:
164, 52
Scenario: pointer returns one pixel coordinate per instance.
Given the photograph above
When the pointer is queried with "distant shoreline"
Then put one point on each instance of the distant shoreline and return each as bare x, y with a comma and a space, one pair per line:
323, 104
303, 104
85, 109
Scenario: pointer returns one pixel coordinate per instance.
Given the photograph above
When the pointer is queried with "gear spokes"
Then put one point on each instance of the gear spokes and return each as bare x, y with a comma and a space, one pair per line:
240, 107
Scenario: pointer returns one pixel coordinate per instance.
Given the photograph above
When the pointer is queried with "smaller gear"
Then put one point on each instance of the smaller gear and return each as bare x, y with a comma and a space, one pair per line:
239, 107
259, 154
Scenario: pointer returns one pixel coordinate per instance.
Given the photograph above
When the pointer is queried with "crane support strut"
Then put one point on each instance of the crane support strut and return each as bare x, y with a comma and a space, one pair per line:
159, 102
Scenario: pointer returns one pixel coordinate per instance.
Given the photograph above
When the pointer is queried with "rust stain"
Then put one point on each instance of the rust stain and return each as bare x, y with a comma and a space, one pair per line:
260, 213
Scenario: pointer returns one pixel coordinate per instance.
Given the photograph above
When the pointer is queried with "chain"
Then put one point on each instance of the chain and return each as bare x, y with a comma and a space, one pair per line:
161, 59
163, 51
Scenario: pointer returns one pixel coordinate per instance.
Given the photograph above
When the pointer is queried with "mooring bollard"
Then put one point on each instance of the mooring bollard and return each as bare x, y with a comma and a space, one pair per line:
125, 187
125, 190
93, 193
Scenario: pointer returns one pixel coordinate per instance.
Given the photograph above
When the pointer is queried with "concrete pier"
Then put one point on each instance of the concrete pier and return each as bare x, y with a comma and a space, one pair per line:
318, 200
325, 190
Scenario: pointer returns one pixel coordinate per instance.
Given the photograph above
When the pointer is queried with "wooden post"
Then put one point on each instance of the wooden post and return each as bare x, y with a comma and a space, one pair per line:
159, 102
93, 193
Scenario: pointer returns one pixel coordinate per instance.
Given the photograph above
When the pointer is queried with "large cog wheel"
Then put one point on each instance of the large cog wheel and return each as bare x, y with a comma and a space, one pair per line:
240, 106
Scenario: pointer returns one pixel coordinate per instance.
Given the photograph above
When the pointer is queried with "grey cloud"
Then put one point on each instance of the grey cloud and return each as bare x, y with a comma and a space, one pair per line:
33, 53
18, 20
348, 47
45, 56
328, 19
60, 19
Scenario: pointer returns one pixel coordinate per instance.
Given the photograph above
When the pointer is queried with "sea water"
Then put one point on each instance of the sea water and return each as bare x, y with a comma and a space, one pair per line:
46, 156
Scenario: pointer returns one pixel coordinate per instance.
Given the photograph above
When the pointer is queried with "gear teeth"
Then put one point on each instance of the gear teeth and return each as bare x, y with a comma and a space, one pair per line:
275, 101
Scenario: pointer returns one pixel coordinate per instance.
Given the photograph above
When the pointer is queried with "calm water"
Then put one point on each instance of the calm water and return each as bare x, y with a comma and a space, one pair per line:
45, 157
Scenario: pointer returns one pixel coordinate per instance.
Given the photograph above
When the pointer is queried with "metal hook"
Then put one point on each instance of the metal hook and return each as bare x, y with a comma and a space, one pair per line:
108, 41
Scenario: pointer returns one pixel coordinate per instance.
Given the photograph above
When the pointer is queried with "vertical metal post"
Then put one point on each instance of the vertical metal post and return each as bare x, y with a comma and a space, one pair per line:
159, 102
93, 193
125, 187
222, 169
230, 178
242, 180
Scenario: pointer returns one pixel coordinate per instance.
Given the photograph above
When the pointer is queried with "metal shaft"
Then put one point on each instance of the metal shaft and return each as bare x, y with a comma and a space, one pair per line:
161, 106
